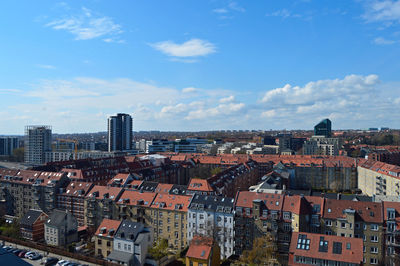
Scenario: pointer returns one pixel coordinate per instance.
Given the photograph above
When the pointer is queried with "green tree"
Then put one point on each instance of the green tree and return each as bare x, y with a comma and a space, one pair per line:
264, 252
215, 171
159, 249
18, 155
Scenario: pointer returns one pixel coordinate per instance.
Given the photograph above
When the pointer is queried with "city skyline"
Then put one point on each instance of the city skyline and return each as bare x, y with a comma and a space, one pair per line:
215, 65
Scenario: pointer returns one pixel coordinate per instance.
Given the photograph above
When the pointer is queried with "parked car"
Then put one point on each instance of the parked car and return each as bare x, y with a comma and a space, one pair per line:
50, 261
16, 251
28, 253
22, 253
62, 262
34, 256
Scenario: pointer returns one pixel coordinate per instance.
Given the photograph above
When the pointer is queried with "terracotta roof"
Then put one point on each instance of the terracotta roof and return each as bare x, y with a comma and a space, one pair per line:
171, 202
105, 227
19, 176
370, 212
296, 204
164, 188
198, 184
112, 192
383, 168
133, 198
77, 189
351, 249
118, 178
200, 248
272, 201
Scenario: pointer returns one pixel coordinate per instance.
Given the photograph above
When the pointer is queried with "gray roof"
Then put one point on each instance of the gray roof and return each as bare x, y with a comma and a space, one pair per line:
30, 217
120, 256
57, 218
212, 203
129, 230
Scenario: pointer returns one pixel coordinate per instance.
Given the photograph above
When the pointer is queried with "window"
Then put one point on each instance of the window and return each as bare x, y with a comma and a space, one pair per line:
287, 216
374, 238
265, 213
119, 245
303, 242
176, 225
287, 227
201, 216
391, 226
160, 231
194, 215
374, 250
374, 227
364, 238
247, 211
391, 213
99, 241
328, 223
125, 246
265, 224
337, 248
348, 245
357, 225
343, 225
323, 245
373, 261
219, 218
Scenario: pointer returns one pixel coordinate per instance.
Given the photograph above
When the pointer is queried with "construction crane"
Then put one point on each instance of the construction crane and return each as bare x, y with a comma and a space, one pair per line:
75, 145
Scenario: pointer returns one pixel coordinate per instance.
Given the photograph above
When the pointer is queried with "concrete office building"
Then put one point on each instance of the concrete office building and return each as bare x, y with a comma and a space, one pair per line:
120, 132
37, 143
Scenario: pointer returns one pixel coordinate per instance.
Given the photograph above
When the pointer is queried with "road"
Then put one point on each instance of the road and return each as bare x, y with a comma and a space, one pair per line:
37, 262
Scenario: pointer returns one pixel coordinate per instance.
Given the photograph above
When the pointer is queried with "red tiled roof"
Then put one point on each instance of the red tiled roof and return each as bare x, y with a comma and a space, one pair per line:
113, 192
352, 255
296, 204
383, 168
163, 188
77, 188
121, 176
133, 198
272, 201
200, 248
107, 224
171, 202
198, 184
370, 212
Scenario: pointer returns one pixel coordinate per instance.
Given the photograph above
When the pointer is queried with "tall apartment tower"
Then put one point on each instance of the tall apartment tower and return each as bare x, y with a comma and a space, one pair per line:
8, 145
323, 128
120, 132
37, 143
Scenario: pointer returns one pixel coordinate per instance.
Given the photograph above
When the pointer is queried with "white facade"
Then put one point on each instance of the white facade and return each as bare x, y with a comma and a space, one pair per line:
218, 225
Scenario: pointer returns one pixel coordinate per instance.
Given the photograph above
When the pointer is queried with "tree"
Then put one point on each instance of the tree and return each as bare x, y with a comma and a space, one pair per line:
215, 171
159, 250
264, 252
18, 154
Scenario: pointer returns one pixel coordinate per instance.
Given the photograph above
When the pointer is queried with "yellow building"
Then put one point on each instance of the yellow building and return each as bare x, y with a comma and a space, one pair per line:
203, 251
104, 237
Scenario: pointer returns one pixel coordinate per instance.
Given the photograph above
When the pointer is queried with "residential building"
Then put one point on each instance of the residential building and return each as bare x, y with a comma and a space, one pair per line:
199, 186
317, 249
37, 143
8, 145
169, 218
202, 251
61, 229
32, 225
357, 219
100, 203
323, 128
131, 242
120, 132
391, 214
72, 198
135, 206
56, 156
321, 145
379, 178
212, 216
104, 237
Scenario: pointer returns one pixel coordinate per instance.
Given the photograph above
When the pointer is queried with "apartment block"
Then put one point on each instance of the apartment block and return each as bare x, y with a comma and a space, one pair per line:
104, 237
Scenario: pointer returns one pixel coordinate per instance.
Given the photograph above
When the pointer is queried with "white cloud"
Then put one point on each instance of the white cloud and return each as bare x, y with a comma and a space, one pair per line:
88, 25
283, 13
191, 48
383, 41
190, 90
268, 114
382, 11
220, 10
46, 66
236, 7
220, 110
227, 99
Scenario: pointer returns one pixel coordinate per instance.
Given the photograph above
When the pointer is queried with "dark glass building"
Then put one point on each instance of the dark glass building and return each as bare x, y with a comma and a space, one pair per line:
323, 128
120, 132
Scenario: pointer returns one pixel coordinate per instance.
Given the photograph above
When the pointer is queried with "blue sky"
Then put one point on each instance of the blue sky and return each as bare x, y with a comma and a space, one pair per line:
199, 65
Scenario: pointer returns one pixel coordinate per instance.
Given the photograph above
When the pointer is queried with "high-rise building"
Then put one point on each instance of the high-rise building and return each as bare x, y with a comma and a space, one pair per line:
37, 143
8, 144
323, 128
120, 132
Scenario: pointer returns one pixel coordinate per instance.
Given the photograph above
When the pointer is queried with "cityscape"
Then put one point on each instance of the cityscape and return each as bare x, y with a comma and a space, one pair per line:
223, 132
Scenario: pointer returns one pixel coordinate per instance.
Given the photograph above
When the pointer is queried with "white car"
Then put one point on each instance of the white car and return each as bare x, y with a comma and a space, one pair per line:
62, 262
29, 253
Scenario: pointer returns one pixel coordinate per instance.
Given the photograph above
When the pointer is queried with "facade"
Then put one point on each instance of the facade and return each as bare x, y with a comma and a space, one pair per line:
169, 219
323, 128
131, 242
317, 249
391, 214
100, 203
37, 143
72, 198
32, 225
104, 237
61, 229
356, 219
56, 156
203, 251
8, 144
378, 178
212, 216
321, 145
120, 132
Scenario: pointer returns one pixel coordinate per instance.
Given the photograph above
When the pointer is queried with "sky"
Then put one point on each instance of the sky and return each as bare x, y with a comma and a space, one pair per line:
199, 65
